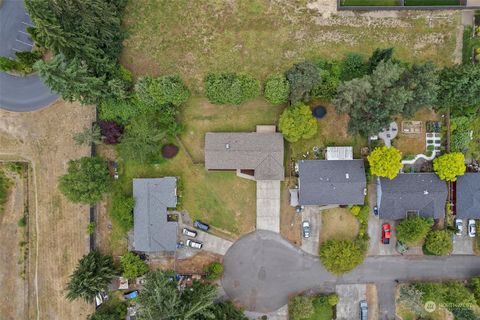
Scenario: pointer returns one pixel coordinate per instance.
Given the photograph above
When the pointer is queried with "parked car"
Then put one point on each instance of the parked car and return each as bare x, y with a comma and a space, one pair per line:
100, 298
131, 295
189, 233
472, 228
459, 226
200, 225
375, 211
306, 229
386, 233
363, 310
194, 244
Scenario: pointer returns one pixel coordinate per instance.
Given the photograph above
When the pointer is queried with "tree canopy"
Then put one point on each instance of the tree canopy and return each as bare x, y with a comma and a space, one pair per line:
132, 265
373, 100
439, 242
86, 180
93, 274
277, 89
161, 299
413, 229
298, 123
340, 256
385, 162
303, 78
162, 90
110, 311
449, 166
460, 89
230, 88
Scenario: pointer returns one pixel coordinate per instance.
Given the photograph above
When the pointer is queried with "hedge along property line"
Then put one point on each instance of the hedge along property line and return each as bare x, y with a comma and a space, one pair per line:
369, 5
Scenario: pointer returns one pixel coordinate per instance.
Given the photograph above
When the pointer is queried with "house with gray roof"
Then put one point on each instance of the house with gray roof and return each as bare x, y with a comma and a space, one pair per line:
152, 230
468, 196
423, 194
331, 182
258, 155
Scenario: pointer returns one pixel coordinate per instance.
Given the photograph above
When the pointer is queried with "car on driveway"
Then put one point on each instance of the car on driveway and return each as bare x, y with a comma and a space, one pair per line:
472, 228
459, 226
194, 244
363, 310
306, 229
200, 225
189, 233
375, 211
386, 233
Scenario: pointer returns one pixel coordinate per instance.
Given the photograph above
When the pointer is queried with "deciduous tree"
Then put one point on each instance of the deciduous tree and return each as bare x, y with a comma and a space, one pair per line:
439, 242
303, 77
277, 89
340, 256
413, 229
132, 265
385, 162
449, 166
298, 123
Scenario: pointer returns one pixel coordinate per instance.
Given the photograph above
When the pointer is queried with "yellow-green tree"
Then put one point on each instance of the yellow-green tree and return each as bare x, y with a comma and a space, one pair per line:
298, 123
385, 162
449, 166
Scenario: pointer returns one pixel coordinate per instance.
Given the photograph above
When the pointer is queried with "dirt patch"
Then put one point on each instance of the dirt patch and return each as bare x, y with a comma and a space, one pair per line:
57, 227
338, 224
195, 264
290, 221
372, 298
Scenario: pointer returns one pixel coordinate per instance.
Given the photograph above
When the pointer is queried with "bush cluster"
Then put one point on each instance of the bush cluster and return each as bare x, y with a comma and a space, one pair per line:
23, 63
214, 271
438, 243
132, 265
277, 89
340, 256
413, 229
230, 88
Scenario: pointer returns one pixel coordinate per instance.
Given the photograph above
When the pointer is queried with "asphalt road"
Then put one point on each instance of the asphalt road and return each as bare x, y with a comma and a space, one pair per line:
19, 93
262, 270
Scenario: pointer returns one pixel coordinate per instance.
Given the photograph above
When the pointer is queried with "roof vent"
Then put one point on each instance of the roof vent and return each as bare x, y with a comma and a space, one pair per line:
227, 145
347, 176
425, 192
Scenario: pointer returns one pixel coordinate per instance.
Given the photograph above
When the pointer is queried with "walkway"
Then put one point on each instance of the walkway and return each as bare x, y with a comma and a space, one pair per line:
19, 93
268, 205
262, 270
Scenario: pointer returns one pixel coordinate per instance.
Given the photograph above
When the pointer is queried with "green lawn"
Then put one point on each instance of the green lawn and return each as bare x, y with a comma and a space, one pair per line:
370, 2
192, 38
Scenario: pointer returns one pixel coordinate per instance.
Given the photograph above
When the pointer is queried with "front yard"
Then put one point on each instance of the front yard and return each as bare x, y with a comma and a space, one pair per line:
338, 224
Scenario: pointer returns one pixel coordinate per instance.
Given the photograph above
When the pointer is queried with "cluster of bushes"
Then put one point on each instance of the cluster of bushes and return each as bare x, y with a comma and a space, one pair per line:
214, 271
362, 213
22, 64
413, 229
230, 88
132, 265
316, 307
4, 188
438, 243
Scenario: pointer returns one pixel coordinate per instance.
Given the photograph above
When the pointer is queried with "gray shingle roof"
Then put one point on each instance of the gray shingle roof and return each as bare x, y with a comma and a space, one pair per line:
152, 232
468, 196
324, 182
421, 192
262, 152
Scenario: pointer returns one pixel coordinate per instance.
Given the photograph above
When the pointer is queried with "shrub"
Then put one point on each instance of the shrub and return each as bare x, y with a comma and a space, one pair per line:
111, 132
300, 307
277, 89
214, 270
449, 166
5, 184
112, 310
303, 78
120, 111
86, 180
22, 222
413, 229
385, 162
91, 228
230, 88
169, 151
298, 123
330, 72
475, 284
162, 90
340, 256
355, 210
132, 265
7, 64
121, 211
333, 299
439, 243
354, 66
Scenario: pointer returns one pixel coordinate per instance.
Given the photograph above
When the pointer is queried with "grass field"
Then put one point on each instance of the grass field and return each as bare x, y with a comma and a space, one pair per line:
370, 2
338, 224
192, 38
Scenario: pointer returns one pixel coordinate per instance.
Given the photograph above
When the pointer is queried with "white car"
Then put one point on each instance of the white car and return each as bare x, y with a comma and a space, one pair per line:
459, 226
194, 244
189, 233
306, 229
472, 228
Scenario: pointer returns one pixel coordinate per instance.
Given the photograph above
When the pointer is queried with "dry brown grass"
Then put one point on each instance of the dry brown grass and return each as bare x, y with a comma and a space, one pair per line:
338, 224
290, 221
57, 226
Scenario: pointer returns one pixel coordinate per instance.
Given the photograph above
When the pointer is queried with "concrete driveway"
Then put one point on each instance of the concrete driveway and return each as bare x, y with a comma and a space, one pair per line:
377, 248
462, 244
268, 205
350, 295
213, 243
314, 216
19, 93
262, 270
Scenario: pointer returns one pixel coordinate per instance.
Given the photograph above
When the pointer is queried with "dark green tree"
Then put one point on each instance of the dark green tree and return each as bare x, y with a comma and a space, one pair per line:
353, 66
93, 274
413, 229
303, 78
132, 265
110, 311
379, 55
86, 180
162, 90
460, 89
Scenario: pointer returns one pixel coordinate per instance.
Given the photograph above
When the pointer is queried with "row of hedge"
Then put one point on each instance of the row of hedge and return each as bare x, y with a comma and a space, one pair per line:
22, 64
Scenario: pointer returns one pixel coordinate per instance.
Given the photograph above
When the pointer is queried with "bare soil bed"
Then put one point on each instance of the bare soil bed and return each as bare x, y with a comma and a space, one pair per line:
57, 227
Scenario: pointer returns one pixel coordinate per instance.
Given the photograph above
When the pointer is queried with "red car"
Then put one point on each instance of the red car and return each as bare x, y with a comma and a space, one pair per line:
386, 233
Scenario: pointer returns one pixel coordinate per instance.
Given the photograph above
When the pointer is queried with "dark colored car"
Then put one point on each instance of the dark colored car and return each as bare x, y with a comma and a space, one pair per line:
386, 233
200, 225
375, 211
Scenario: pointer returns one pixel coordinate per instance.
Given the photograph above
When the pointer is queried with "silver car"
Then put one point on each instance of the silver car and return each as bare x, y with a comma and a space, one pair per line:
459, 226
306, 229
472, 228
189, 233
194, 244
363, 310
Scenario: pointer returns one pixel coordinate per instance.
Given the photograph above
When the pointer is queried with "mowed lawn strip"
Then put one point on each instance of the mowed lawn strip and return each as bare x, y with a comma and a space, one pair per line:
260, 37
338, 224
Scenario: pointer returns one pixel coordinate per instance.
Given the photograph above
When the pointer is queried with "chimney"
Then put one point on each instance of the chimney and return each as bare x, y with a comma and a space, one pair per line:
425, 192
347, 176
